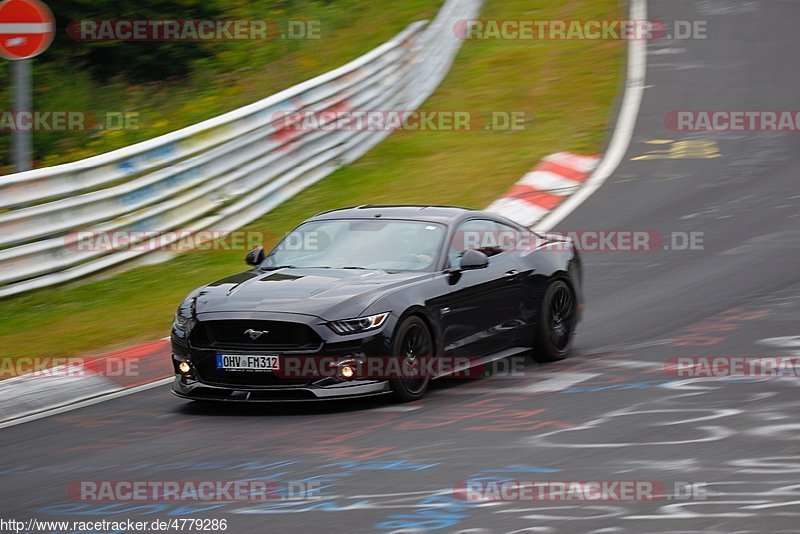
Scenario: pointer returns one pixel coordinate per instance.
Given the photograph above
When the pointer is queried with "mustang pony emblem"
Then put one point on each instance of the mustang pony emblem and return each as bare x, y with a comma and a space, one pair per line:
255, 334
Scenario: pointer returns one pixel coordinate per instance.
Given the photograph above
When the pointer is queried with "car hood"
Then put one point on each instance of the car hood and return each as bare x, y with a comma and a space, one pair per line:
326, 293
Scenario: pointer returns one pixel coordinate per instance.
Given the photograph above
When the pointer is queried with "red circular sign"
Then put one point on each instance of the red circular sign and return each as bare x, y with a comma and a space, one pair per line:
26, 28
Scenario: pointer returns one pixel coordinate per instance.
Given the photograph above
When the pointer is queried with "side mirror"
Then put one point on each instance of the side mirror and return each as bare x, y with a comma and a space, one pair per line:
255, 256
474, 259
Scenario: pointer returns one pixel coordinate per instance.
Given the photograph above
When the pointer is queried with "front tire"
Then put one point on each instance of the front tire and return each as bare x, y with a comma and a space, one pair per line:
412, 341
556, 326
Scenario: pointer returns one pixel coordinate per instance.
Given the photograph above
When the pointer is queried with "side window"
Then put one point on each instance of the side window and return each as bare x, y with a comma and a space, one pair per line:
481, 234
507, 237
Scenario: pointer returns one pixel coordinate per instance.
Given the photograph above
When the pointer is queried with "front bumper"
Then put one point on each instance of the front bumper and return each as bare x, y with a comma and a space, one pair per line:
206, 383
310, 392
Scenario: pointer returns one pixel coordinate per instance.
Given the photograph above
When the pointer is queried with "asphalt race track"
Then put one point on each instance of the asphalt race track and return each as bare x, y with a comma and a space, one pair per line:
611, 412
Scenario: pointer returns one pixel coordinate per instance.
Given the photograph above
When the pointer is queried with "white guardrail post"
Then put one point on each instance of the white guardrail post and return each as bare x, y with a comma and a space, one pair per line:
221, 173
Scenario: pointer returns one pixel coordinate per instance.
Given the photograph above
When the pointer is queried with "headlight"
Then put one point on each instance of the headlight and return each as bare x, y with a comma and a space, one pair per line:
181, 322
184, 316
361, 324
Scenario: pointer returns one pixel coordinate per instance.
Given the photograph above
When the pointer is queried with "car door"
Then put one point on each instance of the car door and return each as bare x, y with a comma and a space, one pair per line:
481, 313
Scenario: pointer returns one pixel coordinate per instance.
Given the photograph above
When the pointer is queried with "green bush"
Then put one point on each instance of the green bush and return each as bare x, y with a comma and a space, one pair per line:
135, 61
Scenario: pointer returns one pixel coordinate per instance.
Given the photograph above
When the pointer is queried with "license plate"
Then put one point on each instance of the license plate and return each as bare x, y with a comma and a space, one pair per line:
247, 363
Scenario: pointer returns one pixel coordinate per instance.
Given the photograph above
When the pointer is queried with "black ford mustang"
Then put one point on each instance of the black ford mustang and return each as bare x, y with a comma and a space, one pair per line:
377, 299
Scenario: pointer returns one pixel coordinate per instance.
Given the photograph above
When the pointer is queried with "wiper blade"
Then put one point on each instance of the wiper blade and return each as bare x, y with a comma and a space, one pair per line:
297, 267
318, 267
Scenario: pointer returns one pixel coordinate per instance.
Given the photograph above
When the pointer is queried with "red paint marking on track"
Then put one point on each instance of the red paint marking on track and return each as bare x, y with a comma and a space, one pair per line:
706, 333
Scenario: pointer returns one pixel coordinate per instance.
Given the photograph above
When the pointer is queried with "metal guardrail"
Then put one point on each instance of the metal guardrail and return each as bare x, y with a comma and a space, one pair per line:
221, 173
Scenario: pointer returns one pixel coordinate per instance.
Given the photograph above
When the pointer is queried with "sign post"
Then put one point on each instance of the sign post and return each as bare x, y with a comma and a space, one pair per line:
26, 30
21, 140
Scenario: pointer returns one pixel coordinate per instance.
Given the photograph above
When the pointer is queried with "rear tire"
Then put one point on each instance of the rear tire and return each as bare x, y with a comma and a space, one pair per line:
556, 326
412, 340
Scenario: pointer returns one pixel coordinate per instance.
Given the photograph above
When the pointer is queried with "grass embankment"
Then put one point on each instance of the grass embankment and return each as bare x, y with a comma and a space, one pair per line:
568, 86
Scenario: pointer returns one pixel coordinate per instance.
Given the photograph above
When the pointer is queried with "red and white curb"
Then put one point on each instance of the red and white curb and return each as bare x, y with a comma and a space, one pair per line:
545, 187
63, 388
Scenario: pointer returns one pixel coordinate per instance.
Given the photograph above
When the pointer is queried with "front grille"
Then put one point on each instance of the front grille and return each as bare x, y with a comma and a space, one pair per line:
235, 334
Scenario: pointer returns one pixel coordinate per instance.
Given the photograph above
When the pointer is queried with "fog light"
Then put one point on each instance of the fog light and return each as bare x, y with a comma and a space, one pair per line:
347, 371
184, 368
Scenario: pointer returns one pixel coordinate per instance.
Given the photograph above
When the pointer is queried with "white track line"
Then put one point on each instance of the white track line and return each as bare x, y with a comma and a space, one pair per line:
620, 140
623, 131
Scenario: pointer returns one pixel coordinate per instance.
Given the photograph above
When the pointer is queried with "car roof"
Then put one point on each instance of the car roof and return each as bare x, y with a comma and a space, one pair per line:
440, 214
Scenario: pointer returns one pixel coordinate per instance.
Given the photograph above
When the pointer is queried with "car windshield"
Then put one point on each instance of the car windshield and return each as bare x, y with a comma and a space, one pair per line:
384, 244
